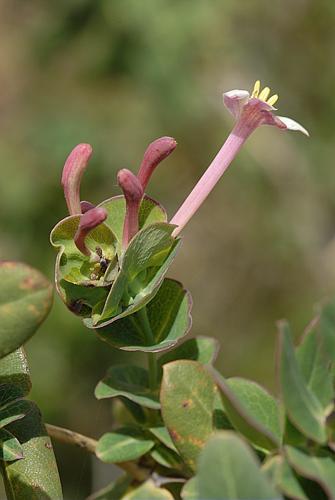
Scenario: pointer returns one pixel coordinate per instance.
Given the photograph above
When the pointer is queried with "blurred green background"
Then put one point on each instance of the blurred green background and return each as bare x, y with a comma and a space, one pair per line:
120, 73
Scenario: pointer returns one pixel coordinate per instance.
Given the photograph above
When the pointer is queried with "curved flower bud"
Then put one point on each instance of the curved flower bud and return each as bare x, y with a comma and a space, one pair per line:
73, 170
250, 112
85, 206
88, 221
156, 152
133, 193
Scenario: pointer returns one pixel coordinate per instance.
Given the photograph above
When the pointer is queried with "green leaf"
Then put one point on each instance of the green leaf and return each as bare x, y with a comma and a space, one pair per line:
147, 491
71, 264
315, 363
10, 448
201, 349
25, 301
126, 443
251, 410
114, 491
150, 212
14, 410
318, 468
14, 376
283, 477
36, 476
168, 317
166, 457
187, 399
303, 408
162, 434
190, 489
228, 469
131, 382
144, 264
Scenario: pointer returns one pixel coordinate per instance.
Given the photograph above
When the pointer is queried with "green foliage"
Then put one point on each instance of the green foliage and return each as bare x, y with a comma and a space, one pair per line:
131, 382
187, 401
126, 443
228, 469
167, 317
25, 301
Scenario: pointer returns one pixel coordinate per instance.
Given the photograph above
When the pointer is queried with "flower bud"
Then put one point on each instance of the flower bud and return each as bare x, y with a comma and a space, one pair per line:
85, 206
73, 170
154, 154
133, 193
88, 221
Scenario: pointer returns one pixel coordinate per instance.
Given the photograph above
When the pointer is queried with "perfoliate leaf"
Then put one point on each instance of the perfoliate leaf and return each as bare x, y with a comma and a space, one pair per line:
25, 301
150, 212
126, 443
302, 406
187, 400
168, 316
251, 410
143, 266
228, 469
131, 382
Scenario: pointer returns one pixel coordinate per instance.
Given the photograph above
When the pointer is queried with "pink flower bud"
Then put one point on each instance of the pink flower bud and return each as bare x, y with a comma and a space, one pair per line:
86, 206
73, 170
88, 221
154, 154
133, 193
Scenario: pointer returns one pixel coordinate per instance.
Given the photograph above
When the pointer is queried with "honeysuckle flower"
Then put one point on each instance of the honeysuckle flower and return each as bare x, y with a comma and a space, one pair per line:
249, 111
133, 193
85, 206
156, 152
73, 170
88, 221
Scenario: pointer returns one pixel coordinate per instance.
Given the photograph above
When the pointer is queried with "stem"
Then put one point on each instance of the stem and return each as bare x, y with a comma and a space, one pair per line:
89, 444
149, 337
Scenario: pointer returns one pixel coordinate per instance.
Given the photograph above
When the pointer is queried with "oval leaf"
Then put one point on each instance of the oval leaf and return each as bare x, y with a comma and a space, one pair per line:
251, 410
14, 376
147, 491
228, 469
201, 349
187, 401
25, 301
303, 408
284, 478
122, 445
131, 382
10, 448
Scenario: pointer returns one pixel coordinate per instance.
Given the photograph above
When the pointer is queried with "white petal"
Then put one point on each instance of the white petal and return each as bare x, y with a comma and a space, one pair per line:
293, 125
235, 100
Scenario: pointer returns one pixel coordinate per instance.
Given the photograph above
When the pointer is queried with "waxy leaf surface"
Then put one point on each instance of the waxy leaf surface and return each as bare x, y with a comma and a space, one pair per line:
167, 316
228, 469
251, 410
187, 400
302, 406
126, 443
131, 382
25, 301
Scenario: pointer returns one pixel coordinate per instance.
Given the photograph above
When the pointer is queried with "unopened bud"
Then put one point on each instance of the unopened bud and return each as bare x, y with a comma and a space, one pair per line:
73, 170
156, 152
133, 193
85, 206
88, 221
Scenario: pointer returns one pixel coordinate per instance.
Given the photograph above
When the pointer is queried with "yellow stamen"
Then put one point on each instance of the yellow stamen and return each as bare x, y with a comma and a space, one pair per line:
264, 94
273, 100
257, 88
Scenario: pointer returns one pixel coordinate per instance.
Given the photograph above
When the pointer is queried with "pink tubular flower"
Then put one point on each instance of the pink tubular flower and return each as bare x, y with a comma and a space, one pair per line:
249, 112
88, 221
156, 152
73, 170
133, 193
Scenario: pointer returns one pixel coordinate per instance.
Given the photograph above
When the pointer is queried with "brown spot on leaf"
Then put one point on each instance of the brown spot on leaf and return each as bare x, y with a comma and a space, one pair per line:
199, 443
33, 309
175, 435
187, 403
48, 445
